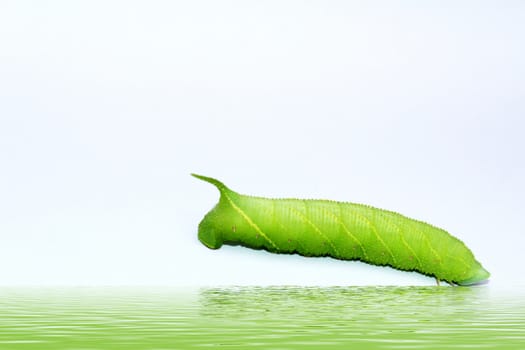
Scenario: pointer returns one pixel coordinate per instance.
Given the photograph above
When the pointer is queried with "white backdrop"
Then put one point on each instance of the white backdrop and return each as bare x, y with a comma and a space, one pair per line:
106, 107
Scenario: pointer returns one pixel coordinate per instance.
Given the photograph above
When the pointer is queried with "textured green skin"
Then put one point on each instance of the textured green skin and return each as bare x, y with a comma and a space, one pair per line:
344, 231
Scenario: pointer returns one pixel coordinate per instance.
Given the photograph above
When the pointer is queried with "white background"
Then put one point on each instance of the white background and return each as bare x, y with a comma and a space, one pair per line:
107, 106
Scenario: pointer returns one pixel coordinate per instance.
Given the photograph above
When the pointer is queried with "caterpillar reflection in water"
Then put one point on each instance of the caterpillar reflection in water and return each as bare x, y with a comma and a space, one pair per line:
341, 230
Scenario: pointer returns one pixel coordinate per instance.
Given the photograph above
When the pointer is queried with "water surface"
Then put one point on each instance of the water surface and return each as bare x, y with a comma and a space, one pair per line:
262, 318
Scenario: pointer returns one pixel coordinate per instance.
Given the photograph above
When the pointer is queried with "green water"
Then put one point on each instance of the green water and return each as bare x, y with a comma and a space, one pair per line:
262, 318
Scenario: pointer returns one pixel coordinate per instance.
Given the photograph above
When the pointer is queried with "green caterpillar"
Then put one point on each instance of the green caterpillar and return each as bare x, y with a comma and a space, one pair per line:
345, 231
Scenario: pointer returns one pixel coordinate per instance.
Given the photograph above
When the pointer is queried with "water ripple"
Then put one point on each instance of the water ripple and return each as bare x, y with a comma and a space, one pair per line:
261, 318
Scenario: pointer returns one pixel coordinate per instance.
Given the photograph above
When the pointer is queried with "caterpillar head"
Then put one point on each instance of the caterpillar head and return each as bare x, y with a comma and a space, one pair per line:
479, 275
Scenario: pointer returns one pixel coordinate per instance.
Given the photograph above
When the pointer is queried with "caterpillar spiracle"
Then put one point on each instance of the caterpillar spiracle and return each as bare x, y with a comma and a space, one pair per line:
341, 230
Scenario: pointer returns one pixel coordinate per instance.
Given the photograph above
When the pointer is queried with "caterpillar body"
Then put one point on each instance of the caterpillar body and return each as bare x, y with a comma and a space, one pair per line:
341, 230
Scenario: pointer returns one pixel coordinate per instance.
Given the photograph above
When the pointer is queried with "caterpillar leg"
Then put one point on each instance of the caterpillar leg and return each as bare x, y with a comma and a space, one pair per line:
437, 281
